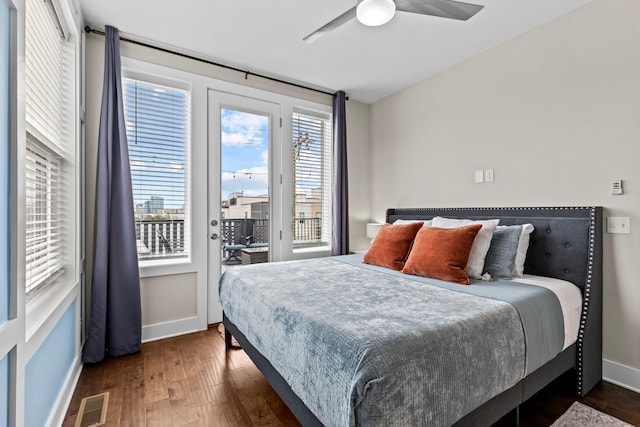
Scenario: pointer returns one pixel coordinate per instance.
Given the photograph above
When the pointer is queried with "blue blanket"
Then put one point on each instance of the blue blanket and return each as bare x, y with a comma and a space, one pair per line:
366, 346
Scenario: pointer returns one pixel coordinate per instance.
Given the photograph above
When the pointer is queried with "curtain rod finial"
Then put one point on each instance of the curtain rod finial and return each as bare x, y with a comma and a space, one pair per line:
346, 97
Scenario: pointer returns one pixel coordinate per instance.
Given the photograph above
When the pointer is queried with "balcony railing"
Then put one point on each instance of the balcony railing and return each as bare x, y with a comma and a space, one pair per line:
161, 238
307, 231
244, 231
237, 231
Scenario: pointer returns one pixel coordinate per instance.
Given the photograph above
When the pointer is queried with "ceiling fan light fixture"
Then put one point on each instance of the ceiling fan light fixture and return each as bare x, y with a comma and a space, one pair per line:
375, 12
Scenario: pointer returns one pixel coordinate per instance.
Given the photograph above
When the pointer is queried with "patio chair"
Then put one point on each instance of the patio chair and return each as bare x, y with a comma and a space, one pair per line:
232, 250
168, 246
251, 244
165, 243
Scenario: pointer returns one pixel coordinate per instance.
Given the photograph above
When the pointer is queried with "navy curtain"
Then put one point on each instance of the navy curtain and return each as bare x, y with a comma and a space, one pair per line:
115, 326
340, 236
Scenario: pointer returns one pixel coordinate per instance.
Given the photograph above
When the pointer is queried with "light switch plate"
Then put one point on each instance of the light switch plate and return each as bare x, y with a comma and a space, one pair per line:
479, 176
488, 175
619, 225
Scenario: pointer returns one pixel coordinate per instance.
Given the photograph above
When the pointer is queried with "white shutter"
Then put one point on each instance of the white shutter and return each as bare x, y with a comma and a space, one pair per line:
48, 58
49, 143
158, 131
312, 179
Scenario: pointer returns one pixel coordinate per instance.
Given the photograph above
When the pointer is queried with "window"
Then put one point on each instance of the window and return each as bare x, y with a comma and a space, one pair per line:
50, 145
44, 236
312, 179
158, 116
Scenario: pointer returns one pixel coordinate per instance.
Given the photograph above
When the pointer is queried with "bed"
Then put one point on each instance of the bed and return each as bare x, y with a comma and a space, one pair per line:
332, 364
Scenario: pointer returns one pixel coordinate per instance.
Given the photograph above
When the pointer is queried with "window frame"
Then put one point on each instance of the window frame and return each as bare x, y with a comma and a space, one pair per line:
326, 181
61, 145
281, 164
47, 303
185, 256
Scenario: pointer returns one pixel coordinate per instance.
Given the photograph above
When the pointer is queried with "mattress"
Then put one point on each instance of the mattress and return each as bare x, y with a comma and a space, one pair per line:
570, 299
362, 345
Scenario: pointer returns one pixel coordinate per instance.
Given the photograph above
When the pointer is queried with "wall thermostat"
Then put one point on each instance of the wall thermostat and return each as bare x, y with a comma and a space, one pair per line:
616, 187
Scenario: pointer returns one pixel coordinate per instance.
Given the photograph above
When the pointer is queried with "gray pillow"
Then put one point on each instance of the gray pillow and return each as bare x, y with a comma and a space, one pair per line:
501, 255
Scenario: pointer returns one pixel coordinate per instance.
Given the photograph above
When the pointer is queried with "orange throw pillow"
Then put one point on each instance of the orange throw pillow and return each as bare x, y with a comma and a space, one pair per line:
442, 253
391, 245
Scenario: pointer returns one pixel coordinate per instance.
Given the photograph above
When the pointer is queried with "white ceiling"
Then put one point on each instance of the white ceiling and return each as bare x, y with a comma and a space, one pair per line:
369, 63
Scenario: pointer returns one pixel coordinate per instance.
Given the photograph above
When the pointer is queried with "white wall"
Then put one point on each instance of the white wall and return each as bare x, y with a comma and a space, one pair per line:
359, 166
556, 114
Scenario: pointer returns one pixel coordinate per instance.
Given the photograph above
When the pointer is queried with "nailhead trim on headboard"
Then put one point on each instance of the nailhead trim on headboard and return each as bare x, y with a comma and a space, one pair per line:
585, 300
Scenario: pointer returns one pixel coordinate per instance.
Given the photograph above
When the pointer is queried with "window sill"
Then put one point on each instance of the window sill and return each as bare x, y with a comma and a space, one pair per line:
311, 252
308, 249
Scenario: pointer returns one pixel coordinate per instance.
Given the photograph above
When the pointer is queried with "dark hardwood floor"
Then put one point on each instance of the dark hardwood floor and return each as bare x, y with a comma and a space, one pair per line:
192, 381
551, 402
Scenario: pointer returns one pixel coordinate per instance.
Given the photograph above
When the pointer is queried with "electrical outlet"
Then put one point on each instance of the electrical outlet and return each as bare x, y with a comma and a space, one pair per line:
619, 225
479, 177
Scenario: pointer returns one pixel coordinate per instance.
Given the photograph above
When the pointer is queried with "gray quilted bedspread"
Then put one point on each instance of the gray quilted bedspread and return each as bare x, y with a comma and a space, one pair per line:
365, 346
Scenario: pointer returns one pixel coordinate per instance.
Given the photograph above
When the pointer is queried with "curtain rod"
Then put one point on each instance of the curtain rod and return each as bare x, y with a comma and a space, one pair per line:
246, 73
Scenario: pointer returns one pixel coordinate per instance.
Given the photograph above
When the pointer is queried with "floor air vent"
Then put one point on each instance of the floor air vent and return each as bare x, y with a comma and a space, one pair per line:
93, 410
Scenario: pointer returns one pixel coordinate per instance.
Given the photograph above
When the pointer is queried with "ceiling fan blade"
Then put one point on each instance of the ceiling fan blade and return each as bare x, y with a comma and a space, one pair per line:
342, 19
441, 8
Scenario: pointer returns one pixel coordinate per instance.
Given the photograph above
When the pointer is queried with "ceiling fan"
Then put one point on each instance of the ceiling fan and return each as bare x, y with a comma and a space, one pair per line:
378, 12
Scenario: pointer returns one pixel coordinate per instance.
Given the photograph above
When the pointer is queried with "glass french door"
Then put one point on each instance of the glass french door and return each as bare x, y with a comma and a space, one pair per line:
241, 186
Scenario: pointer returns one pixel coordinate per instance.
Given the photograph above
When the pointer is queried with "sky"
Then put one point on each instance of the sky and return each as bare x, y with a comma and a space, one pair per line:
245, 153
157, 129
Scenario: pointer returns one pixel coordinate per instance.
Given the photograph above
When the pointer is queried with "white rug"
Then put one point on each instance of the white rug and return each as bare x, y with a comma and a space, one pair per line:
579, 415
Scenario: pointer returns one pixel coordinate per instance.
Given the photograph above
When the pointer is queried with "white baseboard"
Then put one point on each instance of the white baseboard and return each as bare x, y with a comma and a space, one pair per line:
174, 328
64, 398
621, 375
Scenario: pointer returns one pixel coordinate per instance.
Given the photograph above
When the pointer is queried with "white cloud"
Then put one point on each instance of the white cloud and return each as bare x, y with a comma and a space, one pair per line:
247, 137
240, 128
234, 120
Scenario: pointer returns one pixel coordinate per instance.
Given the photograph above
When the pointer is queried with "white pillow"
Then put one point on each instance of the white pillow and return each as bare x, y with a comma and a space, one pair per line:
427, 223
521, 255
480, 244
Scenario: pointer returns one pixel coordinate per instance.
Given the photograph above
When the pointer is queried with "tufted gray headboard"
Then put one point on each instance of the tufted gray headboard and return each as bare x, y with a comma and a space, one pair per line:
566, 244
560, 246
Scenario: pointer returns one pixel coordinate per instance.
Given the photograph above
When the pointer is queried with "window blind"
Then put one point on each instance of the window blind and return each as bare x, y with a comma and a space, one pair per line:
44, 228
312, 169
47, 60
49, 143
158, 132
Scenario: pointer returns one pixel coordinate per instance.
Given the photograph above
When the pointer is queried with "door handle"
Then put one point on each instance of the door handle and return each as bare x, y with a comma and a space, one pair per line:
214, 222
214, 236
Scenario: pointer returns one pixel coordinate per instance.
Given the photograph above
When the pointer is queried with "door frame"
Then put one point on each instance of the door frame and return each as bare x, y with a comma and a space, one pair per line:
216, 100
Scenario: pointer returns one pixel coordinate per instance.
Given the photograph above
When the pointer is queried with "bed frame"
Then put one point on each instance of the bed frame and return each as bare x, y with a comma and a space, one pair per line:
566, 244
